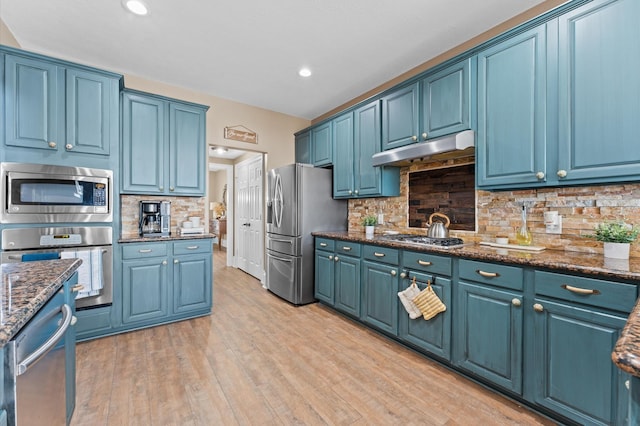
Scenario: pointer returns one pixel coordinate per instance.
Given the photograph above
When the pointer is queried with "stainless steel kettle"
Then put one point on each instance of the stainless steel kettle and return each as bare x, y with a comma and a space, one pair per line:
438, 229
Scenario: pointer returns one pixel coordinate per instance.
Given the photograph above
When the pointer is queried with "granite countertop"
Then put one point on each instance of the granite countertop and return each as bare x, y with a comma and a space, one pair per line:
26, 287
174, 237
583, 263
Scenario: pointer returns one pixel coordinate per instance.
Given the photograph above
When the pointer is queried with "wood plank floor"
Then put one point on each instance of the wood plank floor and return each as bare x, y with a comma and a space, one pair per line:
258, 360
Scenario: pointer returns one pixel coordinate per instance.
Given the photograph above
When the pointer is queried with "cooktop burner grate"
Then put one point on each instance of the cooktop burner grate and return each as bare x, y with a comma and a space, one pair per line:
428, 241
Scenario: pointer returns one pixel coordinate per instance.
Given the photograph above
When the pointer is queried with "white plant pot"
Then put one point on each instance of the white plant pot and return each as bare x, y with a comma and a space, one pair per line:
616, 250
369, 231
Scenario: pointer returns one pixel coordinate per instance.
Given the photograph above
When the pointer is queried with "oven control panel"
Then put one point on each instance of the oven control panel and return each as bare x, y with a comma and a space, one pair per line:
61, 240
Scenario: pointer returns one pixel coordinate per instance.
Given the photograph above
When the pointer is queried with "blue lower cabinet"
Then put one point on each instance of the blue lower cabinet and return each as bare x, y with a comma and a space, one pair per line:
379, 296
347, 288
489, 329
324, 277
192, 277
434, 335
94, 322
575, 376
144, 290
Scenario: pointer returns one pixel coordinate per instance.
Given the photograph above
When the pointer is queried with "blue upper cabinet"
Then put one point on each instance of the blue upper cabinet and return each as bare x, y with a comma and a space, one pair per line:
556, 105
599, 92
510, 146
54, 110
321, 145
343, 173
446, 105
303, 148
437, 105
400, 117
163, 146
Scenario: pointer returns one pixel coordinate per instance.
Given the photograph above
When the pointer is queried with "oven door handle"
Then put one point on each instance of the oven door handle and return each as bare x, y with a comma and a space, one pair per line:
36, 355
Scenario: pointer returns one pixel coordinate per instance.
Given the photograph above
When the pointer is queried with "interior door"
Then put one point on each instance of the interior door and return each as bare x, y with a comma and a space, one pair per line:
249, 222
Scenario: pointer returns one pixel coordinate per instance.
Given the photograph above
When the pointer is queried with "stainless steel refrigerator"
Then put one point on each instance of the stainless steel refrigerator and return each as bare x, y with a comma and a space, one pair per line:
299, 202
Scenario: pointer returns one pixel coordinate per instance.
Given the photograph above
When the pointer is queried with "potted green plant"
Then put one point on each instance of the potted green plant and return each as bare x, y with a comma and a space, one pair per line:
369, 222
617, 237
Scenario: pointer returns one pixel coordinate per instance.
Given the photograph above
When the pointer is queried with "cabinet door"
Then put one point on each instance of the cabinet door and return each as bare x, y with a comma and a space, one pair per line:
143, 144
192, 283
599, 91
574, 373
321, 145
510, 146
380, 296
324, 277
433, 335
366, 143
400, 117
347, 288
446, 101
91, 112
187, 151
343, 176
303, 148
488, 330
32, 102
144, 290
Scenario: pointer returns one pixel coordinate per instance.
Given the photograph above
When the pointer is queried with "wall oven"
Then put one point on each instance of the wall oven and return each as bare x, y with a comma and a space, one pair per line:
92, 244
40, 193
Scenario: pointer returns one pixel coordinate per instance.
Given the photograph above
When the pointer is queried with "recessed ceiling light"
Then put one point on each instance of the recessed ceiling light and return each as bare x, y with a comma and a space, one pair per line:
304, 72
137, 7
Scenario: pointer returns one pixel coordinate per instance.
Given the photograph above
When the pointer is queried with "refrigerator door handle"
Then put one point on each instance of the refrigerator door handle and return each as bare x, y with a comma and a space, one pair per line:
278, 202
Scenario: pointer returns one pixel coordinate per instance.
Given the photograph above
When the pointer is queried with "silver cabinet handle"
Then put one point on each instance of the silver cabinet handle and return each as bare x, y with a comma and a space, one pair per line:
145, 251
52, 144
538, 307
164, 262
346, 248
488, 274
393, 273
193, 247
336, 258
49, 344
424, 263
562, 173
540, 175
176, 261
414, 138
69, 147
376, 254
321, 244
516, 302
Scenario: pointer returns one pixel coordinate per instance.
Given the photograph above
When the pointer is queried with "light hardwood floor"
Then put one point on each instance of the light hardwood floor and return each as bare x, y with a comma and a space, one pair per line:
258, 360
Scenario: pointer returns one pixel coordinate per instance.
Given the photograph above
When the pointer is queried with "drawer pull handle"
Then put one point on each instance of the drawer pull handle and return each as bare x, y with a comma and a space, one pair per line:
487, 274
323, 244
77, 288
580, 290
346, 248
376, 254
193, 247
424, 263
145, 251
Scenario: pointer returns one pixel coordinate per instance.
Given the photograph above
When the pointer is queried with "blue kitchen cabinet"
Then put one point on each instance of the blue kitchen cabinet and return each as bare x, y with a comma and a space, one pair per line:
489, 323
62, 111
512, 103
437, 105
322, 145
347, 278
576, 323
145, 283
434, 335
324, 278
303, 148
93, 322
599, 93
192, 276
380, 288
354, 175
163, 146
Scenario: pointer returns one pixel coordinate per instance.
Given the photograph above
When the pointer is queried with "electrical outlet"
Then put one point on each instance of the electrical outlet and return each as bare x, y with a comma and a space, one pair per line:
380, 218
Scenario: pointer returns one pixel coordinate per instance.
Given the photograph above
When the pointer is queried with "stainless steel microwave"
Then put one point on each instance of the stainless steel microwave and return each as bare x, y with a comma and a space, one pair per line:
40, 193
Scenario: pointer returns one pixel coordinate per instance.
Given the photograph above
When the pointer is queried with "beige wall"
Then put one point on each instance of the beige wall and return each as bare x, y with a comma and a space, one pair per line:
217, 181
6, 37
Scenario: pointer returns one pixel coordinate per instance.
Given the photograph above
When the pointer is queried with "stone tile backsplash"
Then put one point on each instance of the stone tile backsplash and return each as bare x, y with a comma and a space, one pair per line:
499, 212
181, 209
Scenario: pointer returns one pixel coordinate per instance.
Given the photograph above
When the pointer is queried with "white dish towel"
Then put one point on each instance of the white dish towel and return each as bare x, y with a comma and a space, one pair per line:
90, 272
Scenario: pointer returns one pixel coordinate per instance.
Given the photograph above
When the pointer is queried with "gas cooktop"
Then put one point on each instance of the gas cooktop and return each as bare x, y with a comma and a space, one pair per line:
425, 241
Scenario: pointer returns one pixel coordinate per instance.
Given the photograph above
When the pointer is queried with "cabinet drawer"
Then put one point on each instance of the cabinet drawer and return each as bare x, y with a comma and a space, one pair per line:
427, 263
492, 274
590, 291
140, 251
381, 254
348, 248
192, 246
325, 244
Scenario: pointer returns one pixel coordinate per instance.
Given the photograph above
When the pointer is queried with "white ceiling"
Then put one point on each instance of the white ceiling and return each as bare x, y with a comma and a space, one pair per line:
250, 50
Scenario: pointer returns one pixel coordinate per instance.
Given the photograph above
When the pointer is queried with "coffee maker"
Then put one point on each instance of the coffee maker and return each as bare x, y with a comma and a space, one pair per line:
155, 218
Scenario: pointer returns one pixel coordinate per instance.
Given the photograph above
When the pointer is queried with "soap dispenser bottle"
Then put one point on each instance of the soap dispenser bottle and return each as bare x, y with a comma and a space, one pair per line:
523, 236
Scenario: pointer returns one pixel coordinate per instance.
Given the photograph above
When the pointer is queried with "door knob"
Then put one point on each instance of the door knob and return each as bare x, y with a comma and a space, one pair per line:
393, 273
516, 302
414, 138
562, 173
540, 175
424, 136
538, 307
336, 258
52, 144
176, 261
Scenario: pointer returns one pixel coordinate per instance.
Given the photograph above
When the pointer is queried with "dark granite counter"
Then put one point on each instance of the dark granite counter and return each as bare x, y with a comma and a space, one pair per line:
26, 287
137, 239
575, 262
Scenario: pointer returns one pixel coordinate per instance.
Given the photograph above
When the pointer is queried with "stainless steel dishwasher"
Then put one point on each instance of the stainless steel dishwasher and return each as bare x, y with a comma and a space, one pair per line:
36, 361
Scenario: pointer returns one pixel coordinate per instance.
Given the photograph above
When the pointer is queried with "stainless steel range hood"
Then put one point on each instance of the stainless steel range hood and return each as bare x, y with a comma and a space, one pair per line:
456, 145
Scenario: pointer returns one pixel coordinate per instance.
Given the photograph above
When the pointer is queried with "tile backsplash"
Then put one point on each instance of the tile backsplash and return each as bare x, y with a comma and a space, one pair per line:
181, 209
499, 212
